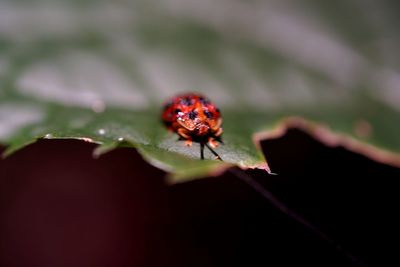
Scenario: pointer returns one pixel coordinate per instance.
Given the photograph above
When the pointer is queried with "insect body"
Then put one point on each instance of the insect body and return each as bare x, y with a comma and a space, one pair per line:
194, 118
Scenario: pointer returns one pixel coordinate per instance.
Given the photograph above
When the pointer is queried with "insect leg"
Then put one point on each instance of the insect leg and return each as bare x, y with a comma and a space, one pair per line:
219, 132
213, 151
212, 143
182, 133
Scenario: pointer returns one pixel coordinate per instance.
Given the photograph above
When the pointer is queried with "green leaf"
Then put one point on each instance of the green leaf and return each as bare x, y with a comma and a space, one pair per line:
100, 71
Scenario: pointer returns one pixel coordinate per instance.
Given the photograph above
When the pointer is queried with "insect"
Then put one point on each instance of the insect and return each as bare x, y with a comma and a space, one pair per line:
195, 119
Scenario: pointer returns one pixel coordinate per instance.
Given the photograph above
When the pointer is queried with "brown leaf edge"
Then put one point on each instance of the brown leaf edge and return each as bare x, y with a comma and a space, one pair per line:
327, 136
318, 131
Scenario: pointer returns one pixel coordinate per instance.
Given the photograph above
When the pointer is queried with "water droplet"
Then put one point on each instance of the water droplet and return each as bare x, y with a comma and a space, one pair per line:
101, 131
48, 136
120, 139
362, 128
98, 106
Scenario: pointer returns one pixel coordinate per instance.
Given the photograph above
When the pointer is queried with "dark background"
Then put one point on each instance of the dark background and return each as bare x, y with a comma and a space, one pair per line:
61, 207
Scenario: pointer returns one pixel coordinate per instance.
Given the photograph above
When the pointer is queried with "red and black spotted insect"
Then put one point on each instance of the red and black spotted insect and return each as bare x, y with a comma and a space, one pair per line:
195, 119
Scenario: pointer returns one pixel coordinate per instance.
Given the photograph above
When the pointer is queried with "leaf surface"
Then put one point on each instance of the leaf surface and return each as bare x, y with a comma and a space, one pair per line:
100, 71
